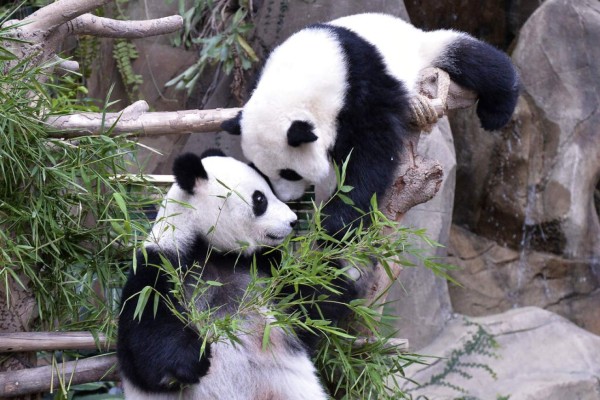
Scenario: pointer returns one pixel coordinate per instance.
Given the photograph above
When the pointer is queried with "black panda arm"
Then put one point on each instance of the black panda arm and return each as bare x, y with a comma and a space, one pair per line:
370, 169
157, 353
489, 72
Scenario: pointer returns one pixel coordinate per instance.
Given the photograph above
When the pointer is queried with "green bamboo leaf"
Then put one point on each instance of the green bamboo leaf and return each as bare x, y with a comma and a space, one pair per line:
247, 48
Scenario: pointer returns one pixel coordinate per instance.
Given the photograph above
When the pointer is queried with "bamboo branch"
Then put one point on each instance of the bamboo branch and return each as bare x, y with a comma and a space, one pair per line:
396, 343
43, 379
50, 341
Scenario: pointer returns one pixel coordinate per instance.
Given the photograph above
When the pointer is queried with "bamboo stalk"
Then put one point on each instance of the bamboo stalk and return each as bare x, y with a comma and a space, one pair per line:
52, 377
49, 341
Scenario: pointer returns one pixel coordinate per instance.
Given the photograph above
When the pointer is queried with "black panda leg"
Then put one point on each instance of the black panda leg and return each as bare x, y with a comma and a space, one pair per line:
488, 71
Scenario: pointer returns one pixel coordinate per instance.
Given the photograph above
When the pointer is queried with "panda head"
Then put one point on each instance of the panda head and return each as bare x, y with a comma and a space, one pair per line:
289, 125
292, 153
225, 202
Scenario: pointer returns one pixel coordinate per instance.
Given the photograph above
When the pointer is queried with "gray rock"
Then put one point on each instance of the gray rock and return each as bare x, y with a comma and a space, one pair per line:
531, 189
540, 356
558, 55
496, 278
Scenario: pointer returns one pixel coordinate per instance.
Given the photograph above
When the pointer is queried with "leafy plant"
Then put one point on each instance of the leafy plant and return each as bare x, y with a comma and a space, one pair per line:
220, 34
124, 51
66, 221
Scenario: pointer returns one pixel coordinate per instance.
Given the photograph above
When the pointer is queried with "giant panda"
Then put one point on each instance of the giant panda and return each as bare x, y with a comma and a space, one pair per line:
342, 88
217, 217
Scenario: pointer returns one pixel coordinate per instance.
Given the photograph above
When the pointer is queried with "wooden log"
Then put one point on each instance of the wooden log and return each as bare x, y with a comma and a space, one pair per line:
135, 120
50, 378
50, 341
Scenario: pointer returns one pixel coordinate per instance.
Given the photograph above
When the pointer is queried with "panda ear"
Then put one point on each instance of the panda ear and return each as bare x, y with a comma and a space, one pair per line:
300, 132
232, 125
187, 168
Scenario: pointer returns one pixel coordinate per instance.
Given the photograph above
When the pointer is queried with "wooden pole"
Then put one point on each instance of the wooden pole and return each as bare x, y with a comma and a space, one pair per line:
137, 121
50, 341
53, 377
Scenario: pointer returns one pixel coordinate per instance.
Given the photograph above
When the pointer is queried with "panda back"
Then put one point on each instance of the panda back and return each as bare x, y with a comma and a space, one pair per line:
405, 49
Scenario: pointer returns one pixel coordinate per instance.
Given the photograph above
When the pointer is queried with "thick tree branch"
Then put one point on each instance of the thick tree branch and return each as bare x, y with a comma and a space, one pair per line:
135, 120
55, 14
89, 24
45, 30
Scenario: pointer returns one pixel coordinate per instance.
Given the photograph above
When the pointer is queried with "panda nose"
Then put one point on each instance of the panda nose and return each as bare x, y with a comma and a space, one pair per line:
293, 223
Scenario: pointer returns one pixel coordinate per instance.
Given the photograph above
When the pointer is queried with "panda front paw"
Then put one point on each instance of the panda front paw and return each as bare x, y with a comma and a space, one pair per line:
165, 368
187, 369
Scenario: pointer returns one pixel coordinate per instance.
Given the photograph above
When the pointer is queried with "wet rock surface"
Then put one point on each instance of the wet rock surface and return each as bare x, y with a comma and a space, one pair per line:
529, 191
495, 279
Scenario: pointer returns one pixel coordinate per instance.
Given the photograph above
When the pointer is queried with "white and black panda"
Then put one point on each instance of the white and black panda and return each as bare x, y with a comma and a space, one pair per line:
216, 205
343, 87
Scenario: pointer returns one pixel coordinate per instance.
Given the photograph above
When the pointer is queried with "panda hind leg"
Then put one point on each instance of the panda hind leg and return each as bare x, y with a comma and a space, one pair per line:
489, 72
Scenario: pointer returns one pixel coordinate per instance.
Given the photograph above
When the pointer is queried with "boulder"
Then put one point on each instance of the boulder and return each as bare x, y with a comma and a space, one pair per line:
522, 354
530, 189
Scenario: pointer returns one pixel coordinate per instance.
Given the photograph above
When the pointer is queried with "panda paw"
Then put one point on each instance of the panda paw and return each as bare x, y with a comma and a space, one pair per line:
168, 368
185, 368
187, 372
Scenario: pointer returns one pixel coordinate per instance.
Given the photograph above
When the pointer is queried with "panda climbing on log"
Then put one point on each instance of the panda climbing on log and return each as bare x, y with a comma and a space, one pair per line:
216, 204
342, 89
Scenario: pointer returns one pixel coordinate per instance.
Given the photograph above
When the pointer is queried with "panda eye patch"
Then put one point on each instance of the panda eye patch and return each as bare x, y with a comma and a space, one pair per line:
259, 203
290, 175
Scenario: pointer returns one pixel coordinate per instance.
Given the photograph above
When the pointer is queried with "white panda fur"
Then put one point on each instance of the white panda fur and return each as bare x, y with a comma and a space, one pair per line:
343, 87
159, 356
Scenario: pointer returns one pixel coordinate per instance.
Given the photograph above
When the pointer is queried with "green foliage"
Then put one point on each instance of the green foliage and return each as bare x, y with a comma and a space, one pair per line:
65, 218
221, 36
124, 52
86, 53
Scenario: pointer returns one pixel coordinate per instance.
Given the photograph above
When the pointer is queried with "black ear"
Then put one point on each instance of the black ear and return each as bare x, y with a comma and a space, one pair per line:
187, 168
233, 125
213, 153
300, 132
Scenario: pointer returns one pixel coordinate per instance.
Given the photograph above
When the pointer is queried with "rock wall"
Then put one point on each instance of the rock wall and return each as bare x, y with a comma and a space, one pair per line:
531, 205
